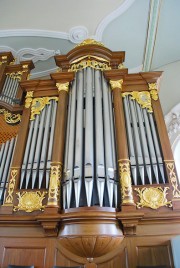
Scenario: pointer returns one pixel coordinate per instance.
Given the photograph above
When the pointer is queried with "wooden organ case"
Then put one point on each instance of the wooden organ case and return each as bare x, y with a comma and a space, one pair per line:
88, 177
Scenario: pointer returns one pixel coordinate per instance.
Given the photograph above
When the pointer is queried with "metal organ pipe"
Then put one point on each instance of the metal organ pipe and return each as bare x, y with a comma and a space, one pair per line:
6, 154
79, 138
37, 157
9, 89
100, 165
89, 137
143, 143
90, 152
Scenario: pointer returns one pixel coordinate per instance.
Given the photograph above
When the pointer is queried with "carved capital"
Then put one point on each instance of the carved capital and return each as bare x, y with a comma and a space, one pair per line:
116, 84
29, 98
3, 60
153, 90
63, 86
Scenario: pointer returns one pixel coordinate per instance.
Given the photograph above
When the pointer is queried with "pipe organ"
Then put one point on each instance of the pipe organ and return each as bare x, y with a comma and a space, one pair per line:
86, 170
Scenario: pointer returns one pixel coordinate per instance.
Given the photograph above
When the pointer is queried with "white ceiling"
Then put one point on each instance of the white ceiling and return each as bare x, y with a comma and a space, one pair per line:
148, 30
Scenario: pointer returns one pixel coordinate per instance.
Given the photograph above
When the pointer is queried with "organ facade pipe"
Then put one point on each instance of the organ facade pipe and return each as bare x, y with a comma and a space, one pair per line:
15, 169
62, 83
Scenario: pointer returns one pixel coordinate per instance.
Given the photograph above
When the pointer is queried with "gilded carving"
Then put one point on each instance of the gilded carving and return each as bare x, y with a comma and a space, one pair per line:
10, 118
29, 98
3, 60
98, 64
153, 197
125, 182
11, 185
63, 86
142, 97
121, 66
90, 42
173, 179
153, 90
116, 84
16, 75
38, 105
54, 187
30, 201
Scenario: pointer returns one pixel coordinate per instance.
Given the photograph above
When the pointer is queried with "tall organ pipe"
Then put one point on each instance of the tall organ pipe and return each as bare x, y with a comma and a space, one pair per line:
100, 168
79, 139
130, 139
108, 143
89, 138
70, 152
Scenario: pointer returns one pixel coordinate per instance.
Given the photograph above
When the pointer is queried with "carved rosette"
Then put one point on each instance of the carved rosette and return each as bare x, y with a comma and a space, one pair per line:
11, 186
38, 105
173, 178
10, 118
153, 197
143, 99
125, 182
153, 90
29, 98
55, 183
116, 84
30, 201
63, 86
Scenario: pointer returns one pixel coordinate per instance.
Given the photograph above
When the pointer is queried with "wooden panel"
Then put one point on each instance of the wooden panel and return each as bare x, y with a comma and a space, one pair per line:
60, 259
120, 261
24, 256
154, 255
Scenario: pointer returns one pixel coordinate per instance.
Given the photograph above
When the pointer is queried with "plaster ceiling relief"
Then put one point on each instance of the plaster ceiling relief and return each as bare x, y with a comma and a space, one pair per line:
91, 17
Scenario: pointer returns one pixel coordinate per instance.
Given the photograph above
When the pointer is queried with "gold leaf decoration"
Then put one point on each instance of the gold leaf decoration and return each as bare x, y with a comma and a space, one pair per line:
153, 90
125, 182
3, 60
97, 65
153, 197
142, 97
90, 42
30, 201
54, 186
29, 98
173, 179
11, 185
63, 86
10, 118
116, 84
38, 105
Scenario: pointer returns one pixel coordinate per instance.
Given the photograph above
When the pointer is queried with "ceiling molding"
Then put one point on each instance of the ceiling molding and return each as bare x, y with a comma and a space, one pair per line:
76, 34
33, 32
43, 73
155, 6
113, 15
40, 54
